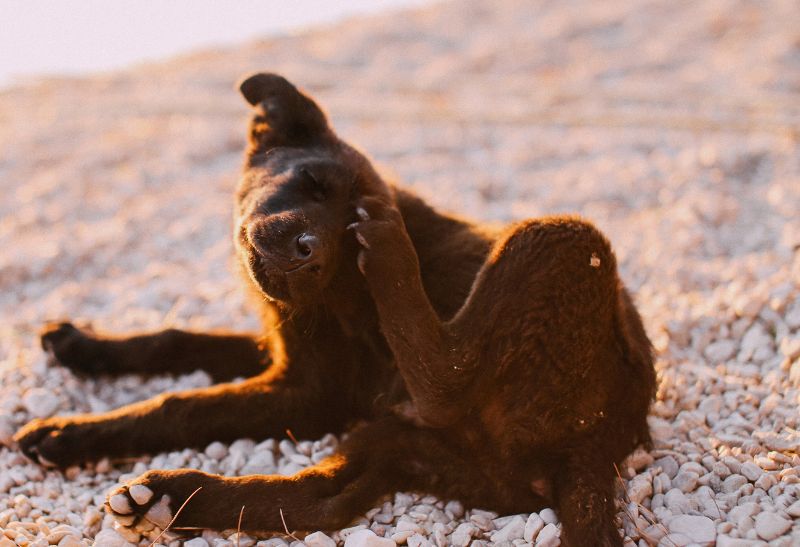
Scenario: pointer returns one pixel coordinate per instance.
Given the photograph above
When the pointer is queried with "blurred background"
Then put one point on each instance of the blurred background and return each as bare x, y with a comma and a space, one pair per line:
79, 36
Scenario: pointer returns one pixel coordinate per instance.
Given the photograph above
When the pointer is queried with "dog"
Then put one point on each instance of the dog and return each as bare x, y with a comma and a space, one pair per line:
506, 369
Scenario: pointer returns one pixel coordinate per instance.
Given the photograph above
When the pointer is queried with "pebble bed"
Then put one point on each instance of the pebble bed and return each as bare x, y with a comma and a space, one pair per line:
674, 126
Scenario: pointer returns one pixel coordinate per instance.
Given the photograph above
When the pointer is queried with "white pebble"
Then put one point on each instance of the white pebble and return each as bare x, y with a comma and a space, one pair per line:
367, 538
533, 526
455, 508
698, 529
720, 351
70, 541
109, 538
216, 450
770, 525
462, 536
40, 402
511, 531
640, 488
319, 539
549, 536
548, 516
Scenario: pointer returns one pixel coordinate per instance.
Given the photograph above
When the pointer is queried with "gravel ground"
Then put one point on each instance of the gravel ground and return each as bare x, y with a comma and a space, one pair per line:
673, 125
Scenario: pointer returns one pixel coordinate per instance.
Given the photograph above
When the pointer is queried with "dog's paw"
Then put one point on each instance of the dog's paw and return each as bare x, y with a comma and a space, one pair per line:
147, 505
52, 442
137, 511
386, 250
72, 347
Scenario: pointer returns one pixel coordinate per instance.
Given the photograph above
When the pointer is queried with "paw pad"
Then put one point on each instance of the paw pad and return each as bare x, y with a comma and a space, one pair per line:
135, 514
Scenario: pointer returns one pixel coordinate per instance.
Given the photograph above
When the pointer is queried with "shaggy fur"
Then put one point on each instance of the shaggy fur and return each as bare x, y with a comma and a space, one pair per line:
508, 370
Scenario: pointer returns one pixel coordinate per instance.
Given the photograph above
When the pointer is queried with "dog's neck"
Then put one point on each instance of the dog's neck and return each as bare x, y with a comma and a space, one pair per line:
344, 305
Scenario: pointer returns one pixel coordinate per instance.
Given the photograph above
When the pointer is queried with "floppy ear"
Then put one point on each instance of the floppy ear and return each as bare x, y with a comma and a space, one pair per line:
283, 115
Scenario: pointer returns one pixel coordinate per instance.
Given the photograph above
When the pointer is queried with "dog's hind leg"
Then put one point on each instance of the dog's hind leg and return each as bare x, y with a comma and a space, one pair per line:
223, 356
585, 501
378, 459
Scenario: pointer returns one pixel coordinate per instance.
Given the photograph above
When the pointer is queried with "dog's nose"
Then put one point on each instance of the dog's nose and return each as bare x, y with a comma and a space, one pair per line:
307, 244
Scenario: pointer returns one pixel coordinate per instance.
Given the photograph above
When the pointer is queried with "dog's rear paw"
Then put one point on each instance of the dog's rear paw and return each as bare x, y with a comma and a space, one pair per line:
137, 512
73, 347
145, 507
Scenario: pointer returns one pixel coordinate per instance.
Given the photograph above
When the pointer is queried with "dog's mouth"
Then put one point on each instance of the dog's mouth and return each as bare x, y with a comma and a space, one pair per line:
282, 280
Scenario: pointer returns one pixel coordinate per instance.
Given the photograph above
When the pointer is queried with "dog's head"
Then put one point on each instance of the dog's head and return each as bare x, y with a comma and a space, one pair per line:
296, 196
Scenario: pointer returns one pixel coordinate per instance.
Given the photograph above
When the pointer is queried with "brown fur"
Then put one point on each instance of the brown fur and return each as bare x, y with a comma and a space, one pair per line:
510, 371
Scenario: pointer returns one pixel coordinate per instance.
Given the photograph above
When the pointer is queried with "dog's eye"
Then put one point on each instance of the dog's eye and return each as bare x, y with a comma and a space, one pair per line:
313, 186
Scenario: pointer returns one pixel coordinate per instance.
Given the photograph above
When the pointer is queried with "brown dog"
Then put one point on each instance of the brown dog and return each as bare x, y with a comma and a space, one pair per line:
509, 371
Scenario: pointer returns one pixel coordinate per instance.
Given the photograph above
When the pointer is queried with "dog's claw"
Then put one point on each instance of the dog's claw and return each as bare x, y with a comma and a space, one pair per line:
120, 504
362, 241
140, 493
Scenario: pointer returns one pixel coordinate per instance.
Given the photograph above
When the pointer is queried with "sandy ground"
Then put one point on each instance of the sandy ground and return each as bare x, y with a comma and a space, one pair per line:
673, 125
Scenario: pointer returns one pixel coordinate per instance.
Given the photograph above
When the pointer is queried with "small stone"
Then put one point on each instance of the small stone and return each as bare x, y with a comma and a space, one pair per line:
319, 539
405, 524
70, 541
751, 471
733, 483
668, 465
640, 488
40, 402
686, 481
660, 429
738, 514
676, 501
455, 508
109, 538
511, 531
794, 509
533, 526
770, 525
661, 484
401, 537
367, 538
263, 463
196, 542
698, 529
727, 541
140, 494
549, 536
755, 339
216, 450
482, 521
720, 351
462, 536
548, 516
418, 540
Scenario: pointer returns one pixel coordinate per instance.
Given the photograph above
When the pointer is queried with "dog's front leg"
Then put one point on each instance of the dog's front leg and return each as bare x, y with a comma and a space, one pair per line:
434, 362
255, 408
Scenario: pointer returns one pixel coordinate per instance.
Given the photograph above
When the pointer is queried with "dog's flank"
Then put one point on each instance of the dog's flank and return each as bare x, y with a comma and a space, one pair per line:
510, 371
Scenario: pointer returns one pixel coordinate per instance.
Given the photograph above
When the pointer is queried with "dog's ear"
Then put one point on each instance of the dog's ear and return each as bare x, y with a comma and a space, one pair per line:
283, 115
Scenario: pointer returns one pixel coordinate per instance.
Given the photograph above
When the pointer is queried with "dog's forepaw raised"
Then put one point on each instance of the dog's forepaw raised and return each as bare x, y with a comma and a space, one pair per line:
137, 511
